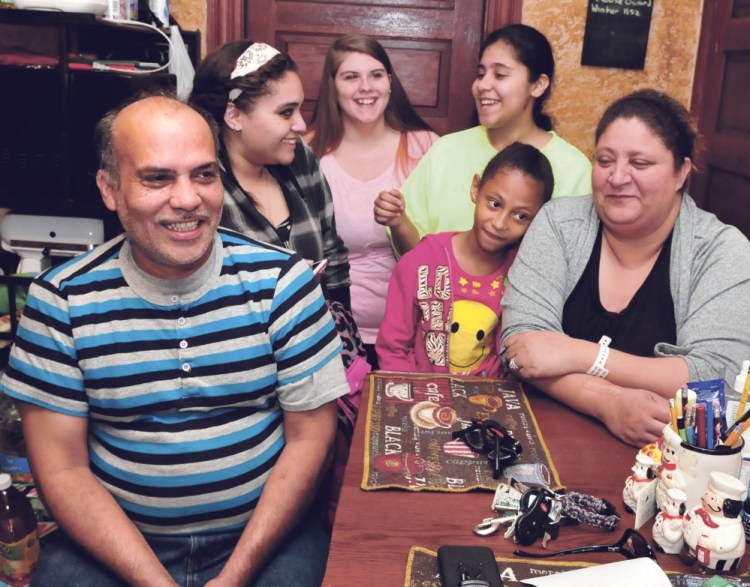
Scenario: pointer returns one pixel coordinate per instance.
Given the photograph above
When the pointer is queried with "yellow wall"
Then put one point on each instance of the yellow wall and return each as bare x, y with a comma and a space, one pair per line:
581, 93
191, 14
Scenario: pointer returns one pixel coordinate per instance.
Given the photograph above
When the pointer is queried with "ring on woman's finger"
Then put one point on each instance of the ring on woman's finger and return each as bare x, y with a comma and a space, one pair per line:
513, 366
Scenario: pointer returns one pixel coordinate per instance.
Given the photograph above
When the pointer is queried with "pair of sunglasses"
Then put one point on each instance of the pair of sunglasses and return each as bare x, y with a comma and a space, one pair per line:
493, 439
632, 544
485, 435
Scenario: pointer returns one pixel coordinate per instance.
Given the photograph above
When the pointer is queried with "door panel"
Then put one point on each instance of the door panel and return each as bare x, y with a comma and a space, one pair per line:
723, 108
434, 45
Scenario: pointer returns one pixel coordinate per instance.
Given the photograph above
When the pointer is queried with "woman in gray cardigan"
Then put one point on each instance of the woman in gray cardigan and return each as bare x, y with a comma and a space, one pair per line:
618, 299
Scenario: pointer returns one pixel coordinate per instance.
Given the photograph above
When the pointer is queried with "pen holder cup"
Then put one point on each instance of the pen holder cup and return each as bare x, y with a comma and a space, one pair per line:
695, 465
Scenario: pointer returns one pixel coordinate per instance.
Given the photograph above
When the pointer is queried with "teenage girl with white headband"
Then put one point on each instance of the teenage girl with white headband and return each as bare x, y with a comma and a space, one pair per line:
274, 189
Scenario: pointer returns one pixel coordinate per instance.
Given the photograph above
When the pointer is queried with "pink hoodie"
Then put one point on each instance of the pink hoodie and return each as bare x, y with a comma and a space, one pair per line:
431, 302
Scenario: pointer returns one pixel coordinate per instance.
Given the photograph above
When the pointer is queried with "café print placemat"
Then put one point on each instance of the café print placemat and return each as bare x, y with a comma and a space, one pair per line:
422, 571
410, 419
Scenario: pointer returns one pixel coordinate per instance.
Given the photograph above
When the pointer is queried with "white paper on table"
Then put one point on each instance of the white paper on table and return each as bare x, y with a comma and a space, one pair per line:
638, 571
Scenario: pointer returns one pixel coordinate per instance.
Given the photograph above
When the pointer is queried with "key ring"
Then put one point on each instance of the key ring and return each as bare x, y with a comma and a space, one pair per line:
587, 509
539, 512
489, 526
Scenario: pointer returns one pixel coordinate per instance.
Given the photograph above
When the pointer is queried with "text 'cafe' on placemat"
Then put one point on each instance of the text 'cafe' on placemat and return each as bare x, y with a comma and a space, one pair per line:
410, 420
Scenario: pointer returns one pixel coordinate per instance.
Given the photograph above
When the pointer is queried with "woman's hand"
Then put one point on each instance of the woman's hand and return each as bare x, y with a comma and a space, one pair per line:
389, 208
635, 416
541, 354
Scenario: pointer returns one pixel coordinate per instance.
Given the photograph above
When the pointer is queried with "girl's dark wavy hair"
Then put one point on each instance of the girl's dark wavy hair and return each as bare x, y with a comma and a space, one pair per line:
212, 82
533, 50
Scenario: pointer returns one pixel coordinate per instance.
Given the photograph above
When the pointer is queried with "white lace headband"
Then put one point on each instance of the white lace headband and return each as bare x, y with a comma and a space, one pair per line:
252, 59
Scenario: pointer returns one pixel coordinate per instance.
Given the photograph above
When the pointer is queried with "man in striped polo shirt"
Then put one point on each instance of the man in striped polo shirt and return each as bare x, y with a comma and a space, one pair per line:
177, 384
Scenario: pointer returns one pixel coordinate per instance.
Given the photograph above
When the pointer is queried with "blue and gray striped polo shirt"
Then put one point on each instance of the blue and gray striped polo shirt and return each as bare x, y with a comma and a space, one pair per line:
183, 382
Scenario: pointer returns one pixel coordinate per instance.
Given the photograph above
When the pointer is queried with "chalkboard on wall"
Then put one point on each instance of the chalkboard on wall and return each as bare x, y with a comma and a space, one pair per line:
616, 33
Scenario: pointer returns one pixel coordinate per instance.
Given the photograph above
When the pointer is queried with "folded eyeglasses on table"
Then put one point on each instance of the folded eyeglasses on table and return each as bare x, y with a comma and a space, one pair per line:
631, 544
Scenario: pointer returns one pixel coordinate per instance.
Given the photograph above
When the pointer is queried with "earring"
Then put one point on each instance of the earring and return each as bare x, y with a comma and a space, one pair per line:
235, 129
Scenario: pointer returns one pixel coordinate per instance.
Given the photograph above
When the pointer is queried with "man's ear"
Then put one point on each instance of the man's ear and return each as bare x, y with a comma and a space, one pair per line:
475, 188
540, 85
107, 189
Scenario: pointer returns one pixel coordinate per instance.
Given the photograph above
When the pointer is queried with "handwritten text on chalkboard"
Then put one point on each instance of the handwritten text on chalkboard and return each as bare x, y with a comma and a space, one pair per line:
616, 33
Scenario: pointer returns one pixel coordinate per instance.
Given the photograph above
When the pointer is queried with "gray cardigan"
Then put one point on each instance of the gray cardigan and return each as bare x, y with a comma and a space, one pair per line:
709, 280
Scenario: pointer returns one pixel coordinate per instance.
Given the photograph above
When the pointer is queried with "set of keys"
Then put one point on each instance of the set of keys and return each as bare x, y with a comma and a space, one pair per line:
538, 512
528, 515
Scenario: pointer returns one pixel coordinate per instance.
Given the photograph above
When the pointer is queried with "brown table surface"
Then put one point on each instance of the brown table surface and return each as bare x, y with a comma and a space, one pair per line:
374, 530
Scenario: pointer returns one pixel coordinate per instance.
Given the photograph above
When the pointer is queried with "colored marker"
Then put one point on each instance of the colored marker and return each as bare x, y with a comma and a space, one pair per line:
700, 424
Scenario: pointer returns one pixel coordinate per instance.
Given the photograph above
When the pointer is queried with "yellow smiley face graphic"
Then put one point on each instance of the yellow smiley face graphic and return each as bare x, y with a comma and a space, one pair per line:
472, 335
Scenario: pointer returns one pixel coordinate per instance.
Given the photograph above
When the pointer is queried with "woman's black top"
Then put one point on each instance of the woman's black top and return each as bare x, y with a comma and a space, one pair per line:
648, 319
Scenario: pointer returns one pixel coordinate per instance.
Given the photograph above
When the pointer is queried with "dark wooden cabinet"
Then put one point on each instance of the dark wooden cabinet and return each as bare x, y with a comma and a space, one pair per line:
50, 103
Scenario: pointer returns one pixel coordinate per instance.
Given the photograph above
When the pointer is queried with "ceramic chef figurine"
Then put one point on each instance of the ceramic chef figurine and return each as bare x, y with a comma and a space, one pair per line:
713, 530
642, 475
669, 474
667, 529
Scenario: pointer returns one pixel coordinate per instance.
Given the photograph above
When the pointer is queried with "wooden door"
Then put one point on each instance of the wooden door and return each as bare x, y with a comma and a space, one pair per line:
721, 102
434, 44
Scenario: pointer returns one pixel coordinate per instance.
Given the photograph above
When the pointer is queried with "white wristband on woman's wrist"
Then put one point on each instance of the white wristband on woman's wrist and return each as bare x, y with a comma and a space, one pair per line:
598, 369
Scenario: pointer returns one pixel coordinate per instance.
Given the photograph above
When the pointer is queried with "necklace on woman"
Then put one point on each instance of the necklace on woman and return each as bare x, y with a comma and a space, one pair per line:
263, 193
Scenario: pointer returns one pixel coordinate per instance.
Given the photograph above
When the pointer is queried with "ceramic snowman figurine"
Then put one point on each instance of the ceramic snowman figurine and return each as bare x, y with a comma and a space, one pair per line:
667, 530
713, 530
642, 475
669, 474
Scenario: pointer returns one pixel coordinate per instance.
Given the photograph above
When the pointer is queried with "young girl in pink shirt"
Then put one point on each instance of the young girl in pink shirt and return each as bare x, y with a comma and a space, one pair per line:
443, 307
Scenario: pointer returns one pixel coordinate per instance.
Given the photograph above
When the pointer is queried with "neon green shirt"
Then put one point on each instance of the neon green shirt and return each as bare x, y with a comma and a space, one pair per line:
437, 192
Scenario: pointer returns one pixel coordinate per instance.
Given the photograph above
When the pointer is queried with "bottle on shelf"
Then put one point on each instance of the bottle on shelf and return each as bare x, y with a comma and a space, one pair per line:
19, 541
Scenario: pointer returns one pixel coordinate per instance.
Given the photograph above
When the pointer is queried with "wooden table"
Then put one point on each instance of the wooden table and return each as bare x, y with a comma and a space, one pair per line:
374, 530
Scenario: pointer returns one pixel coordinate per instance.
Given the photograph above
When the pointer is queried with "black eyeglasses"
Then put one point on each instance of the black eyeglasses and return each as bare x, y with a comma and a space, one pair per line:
492, 438
632, 544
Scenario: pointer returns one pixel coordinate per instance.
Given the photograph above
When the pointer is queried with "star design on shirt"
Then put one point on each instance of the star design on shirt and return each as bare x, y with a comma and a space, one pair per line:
495, 284
462, 281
